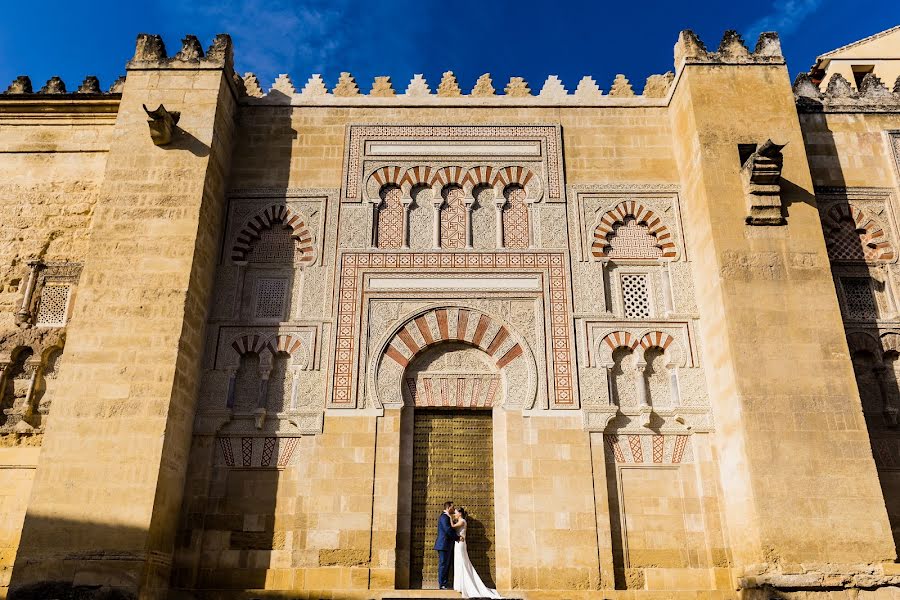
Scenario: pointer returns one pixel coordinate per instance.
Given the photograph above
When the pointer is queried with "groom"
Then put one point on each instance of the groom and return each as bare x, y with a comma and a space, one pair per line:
446, 536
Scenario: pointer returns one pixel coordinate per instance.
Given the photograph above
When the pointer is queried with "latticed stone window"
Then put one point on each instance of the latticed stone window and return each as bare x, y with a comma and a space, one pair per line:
636, 296
53, 306
860, 298
632, 240
273, 246
270, 296
515, 219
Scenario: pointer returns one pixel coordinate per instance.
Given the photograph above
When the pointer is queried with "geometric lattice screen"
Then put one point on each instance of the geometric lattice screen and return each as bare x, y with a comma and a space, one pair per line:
860, 298
270, 297
636, 296
54, 304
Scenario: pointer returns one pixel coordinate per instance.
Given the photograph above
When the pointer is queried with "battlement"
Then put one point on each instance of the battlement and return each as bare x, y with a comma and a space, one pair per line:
150, 53
839, 96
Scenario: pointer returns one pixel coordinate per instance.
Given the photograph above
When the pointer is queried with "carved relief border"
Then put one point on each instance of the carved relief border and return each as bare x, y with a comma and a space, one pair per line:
349, 299
661, 197
549, 136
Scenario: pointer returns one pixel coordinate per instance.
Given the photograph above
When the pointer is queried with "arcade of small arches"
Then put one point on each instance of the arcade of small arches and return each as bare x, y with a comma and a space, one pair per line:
27, 373
876, 364
453, 192
263, 374
642, 371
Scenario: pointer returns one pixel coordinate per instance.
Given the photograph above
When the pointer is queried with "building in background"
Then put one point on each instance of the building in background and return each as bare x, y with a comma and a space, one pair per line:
250, 342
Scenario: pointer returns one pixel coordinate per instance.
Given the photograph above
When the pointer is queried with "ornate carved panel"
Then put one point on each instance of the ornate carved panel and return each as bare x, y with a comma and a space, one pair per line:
553, 275
539, 147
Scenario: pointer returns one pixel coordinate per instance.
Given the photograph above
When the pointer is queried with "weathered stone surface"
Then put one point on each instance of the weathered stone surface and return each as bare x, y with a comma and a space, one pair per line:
258, 309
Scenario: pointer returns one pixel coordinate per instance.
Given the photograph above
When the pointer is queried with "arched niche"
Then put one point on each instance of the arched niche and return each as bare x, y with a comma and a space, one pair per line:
428, 328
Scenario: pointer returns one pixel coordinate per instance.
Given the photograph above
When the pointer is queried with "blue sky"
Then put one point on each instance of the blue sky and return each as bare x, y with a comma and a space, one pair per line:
527, 38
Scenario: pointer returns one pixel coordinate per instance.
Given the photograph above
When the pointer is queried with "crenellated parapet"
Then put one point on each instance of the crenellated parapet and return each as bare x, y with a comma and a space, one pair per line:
150, 53
690, 49
55, 86
839, 96
485, 92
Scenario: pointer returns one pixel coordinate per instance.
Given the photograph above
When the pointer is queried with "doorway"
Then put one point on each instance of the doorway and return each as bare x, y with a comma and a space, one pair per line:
452, 460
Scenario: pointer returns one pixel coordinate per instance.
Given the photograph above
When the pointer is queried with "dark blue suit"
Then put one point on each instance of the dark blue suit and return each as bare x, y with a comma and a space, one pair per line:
446, 536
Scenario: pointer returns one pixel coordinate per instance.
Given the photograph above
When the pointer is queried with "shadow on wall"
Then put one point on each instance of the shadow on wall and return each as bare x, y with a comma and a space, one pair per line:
865, 296
227, 538
98, 570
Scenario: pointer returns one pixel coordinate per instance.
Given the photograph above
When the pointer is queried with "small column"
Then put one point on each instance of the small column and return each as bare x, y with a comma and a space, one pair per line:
641, 385
469, 202
239, 289
262, 399
436, 201
373, 240
404, 234
23, 317
229, 395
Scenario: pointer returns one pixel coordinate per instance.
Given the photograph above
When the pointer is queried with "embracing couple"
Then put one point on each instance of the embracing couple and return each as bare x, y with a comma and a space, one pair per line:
451, 545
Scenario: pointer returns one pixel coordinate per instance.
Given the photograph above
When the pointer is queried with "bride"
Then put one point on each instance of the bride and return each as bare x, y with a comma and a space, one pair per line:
465, 578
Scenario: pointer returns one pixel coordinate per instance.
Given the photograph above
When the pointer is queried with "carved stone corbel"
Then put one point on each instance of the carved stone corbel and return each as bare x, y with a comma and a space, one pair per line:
760, 175
162, 124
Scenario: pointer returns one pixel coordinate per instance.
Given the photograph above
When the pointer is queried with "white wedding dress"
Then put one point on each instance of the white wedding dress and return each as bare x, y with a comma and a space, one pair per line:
465, 577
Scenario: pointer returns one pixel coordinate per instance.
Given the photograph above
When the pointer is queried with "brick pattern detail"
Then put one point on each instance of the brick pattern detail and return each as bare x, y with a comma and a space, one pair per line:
248, 344
495, 341
658, 448
627, 211
227, 451
632, 240
390, 219
620, 339
277, 214
353, 264
284, 343
246, 451
852, 236
656, 339
268, 451
612, 443
453, 219
550, 136
287, 450
647, 449
637, 452
453, 391
515, 220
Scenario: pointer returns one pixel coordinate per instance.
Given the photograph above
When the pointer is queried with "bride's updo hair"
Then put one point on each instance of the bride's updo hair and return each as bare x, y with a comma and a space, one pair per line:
462, 512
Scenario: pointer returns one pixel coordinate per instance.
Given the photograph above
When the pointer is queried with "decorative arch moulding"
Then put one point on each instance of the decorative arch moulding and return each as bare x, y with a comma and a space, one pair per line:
472, 147
300, 342
551, 267
501, 343
601, 209
858, 224
603, 337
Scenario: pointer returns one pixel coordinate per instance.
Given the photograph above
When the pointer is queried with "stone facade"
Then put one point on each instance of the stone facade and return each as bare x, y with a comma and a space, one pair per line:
222, 310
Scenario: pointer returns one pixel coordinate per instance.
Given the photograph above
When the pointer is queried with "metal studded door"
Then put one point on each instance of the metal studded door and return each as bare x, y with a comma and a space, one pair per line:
452, 460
